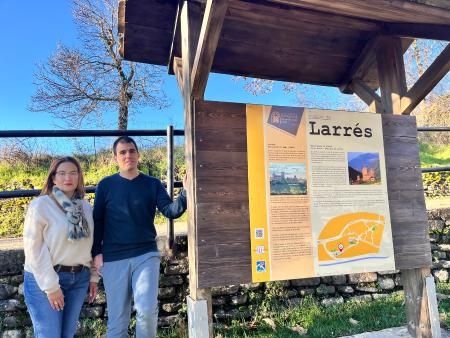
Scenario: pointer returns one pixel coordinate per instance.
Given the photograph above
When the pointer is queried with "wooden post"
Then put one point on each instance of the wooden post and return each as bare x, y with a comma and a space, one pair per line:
199, 39
391, 73
199, 302
170, 232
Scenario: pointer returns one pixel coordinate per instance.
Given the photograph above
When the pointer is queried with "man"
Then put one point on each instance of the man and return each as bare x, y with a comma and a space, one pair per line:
124, 248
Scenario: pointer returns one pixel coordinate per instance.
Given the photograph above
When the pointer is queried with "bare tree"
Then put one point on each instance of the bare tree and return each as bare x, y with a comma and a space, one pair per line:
434, 110
79, 85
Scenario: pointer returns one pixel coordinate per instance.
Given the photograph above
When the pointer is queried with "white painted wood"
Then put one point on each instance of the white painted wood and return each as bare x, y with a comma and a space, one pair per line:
197, 318
433, 307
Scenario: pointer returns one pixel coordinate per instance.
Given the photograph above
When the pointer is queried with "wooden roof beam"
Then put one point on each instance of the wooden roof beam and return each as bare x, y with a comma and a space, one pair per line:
381, 10
368, 95
176, 36
177, 69
418, 31
362, 64
391, 73
437, 70
211, 29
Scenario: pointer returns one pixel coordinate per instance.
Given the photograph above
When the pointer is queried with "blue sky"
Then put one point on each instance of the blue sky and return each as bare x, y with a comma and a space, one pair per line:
32, 30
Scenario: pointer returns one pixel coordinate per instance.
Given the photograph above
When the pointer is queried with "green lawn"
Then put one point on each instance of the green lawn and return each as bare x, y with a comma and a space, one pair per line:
434, 155
317, 321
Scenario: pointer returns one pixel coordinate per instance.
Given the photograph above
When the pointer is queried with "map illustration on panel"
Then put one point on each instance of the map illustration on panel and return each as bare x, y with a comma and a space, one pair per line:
351, 237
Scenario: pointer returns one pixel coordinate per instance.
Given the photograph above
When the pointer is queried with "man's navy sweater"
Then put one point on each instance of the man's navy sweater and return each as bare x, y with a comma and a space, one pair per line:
124, 212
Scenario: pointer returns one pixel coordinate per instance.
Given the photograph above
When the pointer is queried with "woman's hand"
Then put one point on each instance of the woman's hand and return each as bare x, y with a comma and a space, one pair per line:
92, 291
98, 263
56, 299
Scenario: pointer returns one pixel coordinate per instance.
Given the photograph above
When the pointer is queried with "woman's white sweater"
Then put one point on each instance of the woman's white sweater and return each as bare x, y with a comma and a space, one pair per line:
46, 244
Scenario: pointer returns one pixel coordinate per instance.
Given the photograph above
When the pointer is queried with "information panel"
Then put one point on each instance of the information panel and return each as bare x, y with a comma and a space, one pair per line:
317, 193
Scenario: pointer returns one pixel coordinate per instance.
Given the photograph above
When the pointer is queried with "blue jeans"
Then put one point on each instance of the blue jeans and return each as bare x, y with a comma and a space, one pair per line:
50, 323
137, 277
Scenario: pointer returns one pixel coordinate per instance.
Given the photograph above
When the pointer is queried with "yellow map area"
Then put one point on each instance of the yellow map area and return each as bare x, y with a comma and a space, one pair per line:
351, 235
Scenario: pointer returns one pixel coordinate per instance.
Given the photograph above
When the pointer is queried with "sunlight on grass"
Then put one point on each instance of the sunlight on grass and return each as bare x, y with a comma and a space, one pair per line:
322, 321
433, 155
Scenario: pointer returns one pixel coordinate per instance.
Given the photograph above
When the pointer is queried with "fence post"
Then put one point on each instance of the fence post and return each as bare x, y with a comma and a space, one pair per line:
170, 232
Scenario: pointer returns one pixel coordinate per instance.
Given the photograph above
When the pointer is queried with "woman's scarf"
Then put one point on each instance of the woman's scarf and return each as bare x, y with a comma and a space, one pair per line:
78, 226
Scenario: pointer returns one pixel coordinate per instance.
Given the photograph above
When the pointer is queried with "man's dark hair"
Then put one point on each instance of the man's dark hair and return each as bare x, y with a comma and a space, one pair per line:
123, 139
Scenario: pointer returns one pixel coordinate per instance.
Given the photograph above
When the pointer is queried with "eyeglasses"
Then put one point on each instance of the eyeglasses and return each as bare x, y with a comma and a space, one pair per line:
64, 174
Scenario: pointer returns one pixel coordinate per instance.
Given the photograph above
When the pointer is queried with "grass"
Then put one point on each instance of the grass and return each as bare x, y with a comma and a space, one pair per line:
444, 305
434, 155
329, 322
319, 321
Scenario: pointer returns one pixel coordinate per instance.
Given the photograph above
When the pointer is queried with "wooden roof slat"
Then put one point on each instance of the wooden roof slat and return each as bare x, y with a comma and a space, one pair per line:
142, 49
280, 64
312, 41
381, 10
256, 33
281, 15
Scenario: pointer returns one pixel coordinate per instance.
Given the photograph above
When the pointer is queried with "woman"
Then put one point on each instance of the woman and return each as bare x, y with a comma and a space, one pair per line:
57, 243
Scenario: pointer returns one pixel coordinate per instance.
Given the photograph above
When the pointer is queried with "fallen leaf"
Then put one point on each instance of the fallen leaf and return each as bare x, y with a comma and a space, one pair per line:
353, 321
300, 330
271, 323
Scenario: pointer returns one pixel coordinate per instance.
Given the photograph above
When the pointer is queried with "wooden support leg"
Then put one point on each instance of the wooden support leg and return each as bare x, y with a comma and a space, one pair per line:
419, 297
200, 314
391, 73
199, 300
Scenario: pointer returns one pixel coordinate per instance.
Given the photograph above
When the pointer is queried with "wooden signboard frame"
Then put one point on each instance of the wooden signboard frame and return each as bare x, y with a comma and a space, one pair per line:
223, 230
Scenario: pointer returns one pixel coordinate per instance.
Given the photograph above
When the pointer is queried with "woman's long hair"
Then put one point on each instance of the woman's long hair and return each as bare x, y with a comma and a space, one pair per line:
48, 185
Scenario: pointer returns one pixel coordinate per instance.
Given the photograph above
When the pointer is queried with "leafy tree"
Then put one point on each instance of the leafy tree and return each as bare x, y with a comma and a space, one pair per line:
80, 84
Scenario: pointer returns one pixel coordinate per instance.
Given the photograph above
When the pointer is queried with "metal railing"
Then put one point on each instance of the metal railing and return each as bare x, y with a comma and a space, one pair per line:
434, 129
169, 133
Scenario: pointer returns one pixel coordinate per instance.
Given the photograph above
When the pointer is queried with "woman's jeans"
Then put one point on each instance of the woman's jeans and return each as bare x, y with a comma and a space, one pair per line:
50, 323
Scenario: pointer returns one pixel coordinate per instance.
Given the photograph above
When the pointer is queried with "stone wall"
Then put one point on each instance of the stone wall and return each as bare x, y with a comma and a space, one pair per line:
229, 302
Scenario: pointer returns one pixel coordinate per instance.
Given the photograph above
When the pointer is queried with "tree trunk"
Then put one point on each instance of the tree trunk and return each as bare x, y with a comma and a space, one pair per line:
123, 110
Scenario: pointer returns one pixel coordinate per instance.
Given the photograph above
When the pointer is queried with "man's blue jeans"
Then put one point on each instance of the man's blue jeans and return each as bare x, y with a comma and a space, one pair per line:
50, 323
137, 277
